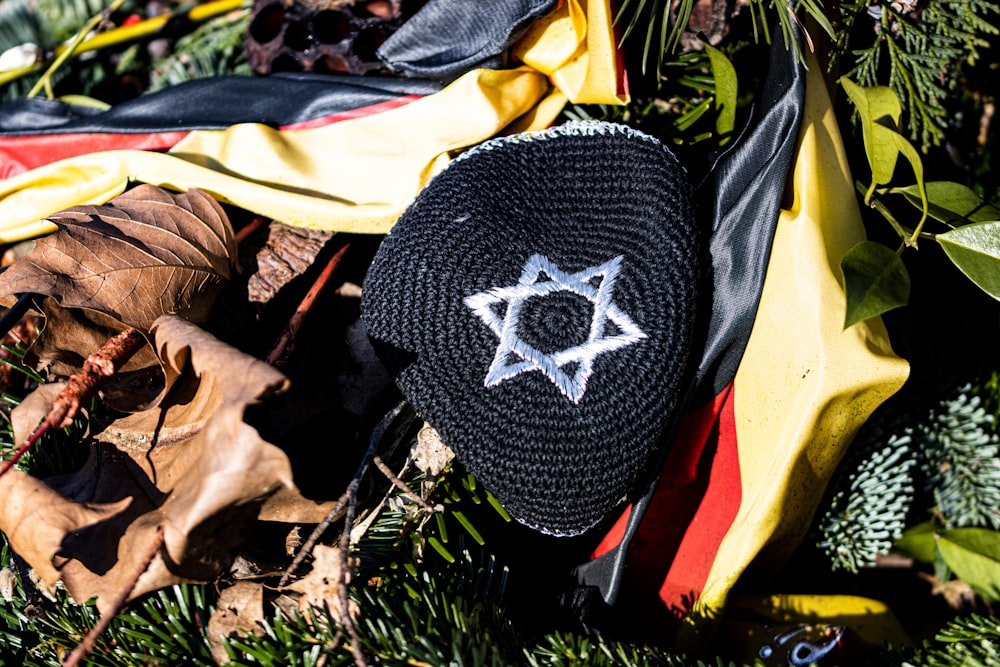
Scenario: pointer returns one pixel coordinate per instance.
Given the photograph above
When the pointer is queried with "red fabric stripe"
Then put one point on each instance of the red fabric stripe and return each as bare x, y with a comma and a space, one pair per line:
22, 153
711, 522
360, 112
692, 509
679, 472
19, 154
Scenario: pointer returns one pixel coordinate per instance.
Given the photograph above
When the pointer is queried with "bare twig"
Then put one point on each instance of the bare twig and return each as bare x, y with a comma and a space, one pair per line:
285, 345
250, 228
313, 538
350, 498
88, 643
345, 571
344, 500
400, 484
98, 367
13, 315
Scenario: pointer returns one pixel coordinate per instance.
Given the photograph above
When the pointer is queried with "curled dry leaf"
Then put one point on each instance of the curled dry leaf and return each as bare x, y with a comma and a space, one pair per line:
204, 486
146, 253
239, 611
321, 587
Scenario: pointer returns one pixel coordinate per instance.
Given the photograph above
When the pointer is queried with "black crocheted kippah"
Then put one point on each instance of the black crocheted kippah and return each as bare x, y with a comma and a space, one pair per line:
535, 304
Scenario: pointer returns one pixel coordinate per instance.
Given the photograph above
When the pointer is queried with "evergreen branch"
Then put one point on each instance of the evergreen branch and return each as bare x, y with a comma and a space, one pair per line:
960, 459
871, 496
923, 42
970, 641
658, 17
214, 48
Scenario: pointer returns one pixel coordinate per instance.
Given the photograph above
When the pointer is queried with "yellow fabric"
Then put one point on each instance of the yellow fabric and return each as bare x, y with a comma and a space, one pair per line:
805, 385
575, 45
352, 176
356, 175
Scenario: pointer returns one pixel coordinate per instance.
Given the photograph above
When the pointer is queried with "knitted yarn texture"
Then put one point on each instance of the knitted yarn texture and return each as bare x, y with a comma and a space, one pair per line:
536, 305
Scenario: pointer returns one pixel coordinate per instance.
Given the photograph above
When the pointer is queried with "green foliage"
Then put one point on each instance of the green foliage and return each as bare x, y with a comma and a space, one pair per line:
870, 496
971, 554
214, 48
48, 23
875, 280
566, 649
960, 460
879, 111
914, 47
975, 250
950, 203
163, 628
433, 617
682, 115
726, 87
664, 24
971, 641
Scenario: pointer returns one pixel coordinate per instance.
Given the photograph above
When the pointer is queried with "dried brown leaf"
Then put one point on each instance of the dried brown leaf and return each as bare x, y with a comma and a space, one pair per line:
33, 409
239, 611
146, 253
72, 334
322, 586
89, 527
36, 518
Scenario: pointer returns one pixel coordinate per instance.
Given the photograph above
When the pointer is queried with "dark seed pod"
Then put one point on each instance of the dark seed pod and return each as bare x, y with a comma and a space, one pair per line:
323, 36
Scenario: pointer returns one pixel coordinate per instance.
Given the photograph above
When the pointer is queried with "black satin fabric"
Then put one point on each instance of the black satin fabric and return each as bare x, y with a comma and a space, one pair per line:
448, 37
213, 104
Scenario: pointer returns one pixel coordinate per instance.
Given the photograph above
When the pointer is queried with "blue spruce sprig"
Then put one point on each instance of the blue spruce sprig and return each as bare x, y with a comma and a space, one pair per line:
959, 451
871, 496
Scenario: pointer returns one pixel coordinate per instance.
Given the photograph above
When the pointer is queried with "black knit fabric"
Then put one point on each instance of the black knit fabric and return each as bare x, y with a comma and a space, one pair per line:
535, 304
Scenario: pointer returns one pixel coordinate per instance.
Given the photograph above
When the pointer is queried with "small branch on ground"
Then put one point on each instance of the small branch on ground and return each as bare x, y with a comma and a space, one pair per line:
350, 499
82, 386
88, 643
401, 485
256, 223
285, 345
345, 573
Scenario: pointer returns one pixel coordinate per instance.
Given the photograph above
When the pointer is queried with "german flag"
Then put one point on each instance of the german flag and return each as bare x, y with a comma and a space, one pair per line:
338, 153
781, 388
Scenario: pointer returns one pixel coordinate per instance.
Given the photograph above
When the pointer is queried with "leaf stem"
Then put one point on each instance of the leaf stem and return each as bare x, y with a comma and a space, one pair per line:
909, 238
62, 56
122, 35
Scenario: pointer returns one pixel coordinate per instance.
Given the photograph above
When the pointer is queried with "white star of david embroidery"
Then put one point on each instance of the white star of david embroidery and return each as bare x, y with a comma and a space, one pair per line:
525, 357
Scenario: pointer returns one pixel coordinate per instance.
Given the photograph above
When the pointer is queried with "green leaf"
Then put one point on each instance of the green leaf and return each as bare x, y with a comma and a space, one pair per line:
973, 555
879, 111
975, 250
875, 281
725, 92
919, 542
85, 101
950, 203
